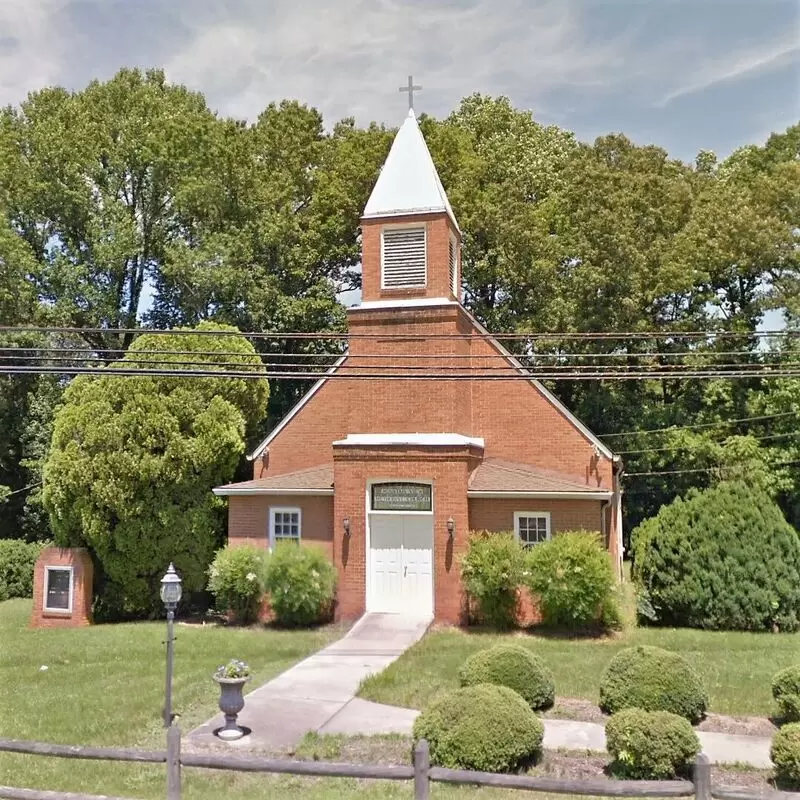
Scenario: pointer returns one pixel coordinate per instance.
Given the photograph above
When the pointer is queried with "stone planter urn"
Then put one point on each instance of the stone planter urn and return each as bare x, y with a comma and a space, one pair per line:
231, 702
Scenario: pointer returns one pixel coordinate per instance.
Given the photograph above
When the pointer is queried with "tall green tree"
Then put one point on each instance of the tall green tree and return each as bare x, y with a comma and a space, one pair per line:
133, 461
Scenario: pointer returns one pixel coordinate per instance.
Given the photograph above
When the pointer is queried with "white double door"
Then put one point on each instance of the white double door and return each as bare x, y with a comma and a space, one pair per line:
400, 564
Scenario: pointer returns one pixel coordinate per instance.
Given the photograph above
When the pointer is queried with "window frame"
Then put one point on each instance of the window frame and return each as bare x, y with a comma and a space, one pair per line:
58, 568
273, 510
399, 227
518, 515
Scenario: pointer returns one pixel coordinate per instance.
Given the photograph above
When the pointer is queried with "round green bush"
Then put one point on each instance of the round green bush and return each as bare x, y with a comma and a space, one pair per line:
785, 754
513, 666
786, 691
491, 570
650, 745
17, 560
484, 727
572, 577
301, 583
724, 559
236, 579
652, 679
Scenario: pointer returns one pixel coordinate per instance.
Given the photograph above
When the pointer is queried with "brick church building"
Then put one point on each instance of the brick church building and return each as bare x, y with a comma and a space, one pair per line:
390, 474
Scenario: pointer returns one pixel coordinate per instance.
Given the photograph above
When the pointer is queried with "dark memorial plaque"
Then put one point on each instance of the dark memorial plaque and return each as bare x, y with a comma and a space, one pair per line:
401, 497
59, 585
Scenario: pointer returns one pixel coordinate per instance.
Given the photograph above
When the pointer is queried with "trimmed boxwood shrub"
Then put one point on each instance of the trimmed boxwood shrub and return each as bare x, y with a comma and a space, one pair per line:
513, 666
650, 745
571, 575
301, 583
724, 558
17, 560
652, 679
785, 754
786, 691
484, 727
491, 570
236, 579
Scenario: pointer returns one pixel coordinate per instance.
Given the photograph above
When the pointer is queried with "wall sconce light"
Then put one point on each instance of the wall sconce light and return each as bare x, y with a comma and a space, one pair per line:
346, 526
451, 526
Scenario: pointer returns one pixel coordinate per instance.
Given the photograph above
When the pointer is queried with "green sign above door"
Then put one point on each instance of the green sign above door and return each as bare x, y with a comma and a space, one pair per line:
401, 497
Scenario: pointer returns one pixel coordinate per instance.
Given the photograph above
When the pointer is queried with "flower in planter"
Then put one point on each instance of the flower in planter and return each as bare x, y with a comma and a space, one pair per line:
233, 669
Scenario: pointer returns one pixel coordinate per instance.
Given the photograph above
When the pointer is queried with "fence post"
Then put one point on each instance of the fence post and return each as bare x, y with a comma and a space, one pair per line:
701, 777
422, 765
173, 763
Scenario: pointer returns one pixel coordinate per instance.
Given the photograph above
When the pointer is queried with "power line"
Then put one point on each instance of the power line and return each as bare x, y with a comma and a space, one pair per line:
703, 469
702, 425
345, 374
667, 449
582, 336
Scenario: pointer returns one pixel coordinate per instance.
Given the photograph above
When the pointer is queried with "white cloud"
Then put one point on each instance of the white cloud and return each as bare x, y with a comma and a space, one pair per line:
349, 58
32, 48
731, 66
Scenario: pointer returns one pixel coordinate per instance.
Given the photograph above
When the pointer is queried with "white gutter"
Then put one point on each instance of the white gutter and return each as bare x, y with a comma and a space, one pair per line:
223, 492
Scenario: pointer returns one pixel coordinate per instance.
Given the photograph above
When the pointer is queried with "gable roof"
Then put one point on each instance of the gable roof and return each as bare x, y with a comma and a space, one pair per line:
408, 182
316, 480
496, 476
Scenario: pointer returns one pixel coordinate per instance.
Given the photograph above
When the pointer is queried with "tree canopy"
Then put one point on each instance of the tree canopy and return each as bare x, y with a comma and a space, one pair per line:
133, 461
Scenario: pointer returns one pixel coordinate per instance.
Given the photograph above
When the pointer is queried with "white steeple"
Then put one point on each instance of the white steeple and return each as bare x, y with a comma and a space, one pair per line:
408, 183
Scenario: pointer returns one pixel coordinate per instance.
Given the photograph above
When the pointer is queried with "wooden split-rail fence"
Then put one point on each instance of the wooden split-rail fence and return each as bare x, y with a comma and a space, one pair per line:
421, 773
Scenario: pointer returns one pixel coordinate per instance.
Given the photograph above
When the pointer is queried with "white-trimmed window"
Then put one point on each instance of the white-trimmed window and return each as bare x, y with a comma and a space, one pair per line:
454, 282
532, 527
403, 257
58, 589
284, 525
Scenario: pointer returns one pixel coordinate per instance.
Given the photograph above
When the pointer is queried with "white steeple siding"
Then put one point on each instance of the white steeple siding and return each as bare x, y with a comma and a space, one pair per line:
408, 183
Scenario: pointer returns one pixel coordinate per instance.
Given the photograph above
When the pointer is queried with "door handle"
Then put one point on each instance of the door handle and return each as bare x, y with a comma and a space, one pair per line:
405, 571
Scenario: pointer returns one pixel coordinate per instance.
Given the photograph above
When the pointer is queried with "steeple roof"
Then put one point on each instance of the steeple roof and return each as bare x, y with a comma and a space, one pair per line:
409, 182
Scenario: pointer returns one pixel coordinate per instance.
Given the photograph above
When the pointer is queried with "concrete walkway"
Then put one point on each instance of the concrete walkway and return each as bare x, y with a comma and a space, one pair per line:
313, 692
361, 717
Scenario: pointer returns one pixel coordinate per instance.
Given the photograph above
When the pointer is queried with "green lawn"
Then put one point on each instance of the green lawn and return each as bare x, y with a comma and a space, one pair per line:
104, 685
737, 667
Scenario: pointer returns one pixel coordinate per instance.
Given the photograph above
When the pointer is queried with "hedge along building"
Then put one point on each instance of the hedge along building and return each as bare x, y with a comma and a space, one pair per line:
390, 474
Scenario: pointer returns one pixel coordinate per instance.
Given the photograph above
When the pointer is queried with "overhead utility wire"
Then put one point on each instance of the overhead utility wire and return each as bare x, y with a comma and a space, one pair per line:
702, 425
344, 374
444, 365
117, 352
701, 444
627, 335
687, 471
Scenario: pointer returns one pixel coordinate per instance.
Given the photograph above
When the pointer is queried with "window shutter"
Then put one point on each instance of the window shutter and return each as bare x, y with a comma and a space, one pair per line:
454, 267
404, 262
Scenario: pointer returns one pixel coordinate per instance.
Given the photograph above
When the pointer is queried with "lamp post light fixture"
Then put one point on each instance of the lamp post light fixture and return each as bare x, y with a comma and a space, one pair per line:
346, 526
451, 526
171, 591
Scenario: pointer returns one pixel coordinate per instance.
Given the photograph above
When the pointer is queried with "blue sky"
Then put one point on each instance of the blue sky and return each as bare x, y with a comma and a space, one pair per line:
685, 74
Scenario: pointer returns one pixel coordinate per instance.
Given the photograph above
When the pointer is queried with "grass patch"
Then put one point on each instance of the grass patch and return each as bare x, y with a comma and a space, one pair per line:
737, 668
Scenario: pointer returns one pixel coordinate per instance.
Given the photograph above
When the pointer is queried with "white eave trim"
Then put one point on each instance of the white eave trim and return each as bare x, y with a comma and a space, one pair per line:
588, 495
549, 395
409, 439
416, 212
420, 302
223, 491
295, 411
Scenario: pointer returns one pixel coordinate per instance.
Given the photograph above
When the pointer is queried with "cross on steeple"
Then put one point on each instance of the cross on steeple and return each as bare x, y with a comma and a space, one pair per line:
411, 88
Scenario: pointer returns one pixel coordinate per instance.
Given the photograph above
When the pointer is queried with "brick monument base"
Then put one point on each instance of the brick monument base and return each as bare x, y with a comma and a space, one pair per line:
62, 588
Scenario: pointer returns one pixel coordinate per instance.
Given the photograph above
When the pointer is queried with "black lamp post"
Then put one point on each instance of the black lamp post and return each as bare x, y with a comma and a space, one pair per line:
171, 591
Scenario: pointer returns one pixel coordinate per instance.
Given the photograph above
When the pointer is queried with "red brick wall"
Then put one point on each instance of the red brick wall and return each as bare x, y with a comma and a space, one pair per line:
438, 230
448, 469
248, 518
82, 574
565, 515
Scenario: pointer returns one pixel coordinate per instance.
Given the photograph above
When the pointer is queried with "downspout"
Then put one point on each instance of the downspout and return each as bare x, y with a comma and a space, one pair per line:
617, 472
